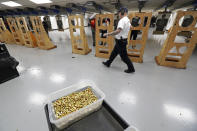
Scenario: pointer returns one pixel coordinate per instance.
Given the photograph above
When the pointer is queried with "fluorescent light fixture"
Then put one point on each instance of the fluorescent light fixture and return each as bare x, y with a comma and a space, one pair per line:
11, 4
41, 1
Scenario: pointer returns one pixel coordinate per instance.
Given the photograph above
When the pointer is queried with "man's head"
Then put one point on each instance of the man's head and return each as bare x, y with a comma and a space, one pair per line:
122, 12
44, 18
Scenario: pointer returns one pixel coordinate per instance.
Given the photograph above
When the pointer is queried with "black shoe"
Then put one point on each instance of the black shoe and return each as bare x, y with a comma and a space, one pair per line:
129, 71
106, 64
15, 64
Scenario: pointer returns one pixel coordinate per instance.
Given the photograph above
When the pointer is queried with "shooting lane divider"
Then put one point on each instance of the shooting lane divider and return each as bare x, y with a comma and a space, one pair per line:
41, 36
136, 55
5, 34
18, 37
104, 50
79, 43
27, 35
178, 59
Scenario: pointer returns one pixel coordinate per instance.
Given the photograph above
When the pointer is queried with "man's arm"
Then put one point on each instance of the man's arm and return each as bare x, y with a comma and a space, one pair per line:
113, 33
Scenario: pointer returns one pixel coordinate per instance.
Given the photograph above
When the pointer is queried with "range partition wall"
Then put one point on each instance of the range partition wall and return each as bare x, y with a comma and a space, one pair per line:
136, 47
18, 37
176, 54
5, 35
42, 38
78, 36
26, 34
104, 24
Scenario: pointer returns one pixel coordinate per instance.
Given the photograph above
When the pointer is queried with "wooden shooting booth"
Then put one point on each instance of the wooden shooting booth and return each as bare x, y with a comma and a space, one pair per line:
104, 46
79, 42
5, 34
170, 54
17, 34
135, 48
42, 38
27, 35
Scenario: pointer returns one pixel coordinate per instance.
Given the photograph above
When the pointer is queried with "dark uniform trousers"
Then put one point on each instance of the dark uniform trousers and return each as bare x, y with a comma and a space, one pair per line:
134, 34
121, 49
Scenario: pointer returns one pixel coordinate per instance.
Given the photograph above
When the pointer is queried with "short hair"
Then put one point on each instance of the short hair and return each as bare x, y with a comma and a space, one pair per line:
123, 10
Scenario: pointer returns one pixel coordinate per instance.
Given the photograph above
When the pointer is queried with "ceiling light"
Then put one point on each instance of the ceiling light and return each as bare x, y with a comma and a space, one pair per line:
11, 3
41, 1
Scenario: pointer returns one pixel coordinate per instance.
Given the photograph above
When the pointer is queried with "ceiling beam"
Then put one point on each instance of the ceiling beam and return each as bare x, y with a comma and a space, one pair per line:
165, 5
189, 3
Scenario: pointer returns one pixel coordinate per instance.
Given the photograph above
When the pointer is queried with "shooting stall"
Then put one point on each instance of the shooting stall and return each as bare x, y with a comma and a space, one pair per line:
5, 34
17, 34
42, 38
174, 54
136, 47
104, 46
79, 41
26, 34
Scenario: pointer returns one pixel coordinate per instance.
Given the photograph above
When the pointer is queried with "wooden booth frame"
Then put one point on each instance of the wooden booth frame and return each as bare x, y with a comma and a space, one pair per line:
18, 36
27, 35
136, 55
42, 38
5, 34
79, 43
178, 59
106, 48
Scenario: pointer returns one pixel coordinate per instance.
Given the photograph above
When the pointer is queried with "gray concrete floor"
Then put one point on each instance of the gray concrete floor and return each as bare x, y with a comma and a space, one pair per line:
154, 98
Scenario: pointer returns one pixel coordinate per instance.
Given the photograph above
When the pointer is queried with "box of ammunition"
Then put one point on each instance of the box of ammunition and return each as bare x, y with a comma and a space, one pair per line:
73, 103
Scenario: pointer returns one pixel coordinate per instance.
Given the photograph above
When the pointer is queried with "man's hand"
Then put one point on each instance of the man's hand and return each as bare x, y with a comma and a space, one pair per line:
105, 34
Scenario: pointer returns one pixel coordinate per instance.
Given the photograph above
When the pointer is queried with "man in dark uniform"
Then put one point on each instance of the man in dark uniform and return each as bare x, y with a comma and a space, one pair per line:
121, 35
45, 25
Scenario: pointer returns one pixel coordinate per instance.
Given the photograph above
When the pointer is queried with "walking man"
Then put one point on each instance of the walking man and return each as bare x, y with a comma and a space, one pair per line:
121, 35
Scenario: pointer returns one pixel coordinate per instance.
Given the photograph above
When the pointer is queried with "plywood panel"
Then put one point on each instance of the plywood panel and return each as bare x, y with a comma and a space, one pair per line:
178, 59
79, 43
41, 36
15, 31
104, 46
5, 35
136, 55
26, 34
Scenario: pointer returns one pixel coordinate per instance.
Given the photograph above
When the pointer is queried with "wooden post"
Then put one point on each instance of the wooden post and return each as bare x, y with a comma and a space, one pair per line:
26, 34
136, 55
104, 50
42, 38
15, 31
79, 43
178, 59
5, 35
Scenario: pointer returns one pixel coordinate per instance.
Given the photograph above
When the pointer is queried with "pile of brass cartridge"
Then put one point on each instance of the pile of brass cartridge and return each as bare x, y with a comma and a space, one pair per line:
73, 102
